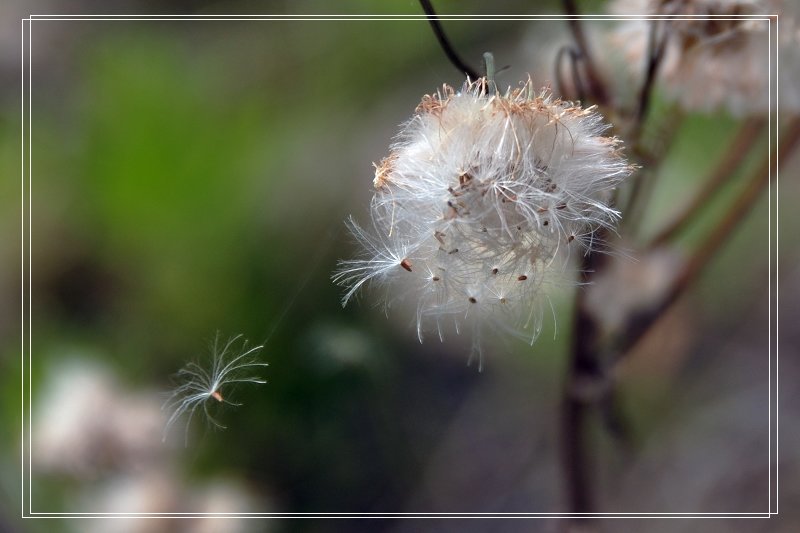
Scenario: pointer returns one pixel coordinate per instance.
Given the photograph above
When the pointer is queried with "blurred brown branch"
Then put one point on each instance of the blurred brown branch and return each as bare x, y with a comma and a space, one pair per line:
587, 385
656, 45
583, 371
705, 252
746, 138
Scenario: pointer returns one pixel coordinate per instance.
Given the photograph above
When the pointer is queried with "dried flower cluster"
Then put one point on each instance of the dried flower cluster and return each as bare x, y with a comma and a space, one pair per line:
717, 54
478, 198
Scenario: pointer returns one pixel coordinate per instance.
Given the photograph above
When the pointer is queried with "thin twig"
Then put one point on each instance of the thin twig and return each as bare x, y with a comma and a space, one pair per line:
597, 87
655, 53
572, 54
748, 134
650, 160
448, 49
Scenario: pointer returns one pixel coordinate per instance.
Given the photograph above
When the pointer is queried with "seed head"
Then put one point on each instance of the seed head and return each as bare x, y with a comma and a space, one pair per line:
198, 385
480, 194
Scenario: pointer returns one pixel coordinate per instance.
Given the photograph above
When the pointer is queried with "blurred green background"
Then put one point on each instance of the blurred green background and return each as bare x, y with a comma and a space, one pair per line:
192, 177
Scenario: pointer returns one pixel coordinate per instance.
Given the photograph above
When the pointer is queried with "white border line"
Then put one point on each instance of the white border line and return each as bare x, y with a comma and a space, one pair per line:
777, 266
30, 275
409, 515
189, 18
769, 265
384, 18
22, 262
403, 16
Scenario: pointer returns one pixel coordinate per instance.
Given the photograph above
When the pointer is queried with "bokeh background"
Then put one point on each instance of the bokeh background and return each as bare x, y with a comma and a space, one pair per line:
192, 177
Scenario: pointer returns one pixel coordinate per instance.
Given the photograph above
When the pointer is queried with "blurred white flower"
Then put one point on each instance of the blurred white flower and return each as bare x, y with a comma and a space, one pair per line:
718, 63
160, 490
85, 424
152, 491
199, 385
107, 440
222, 498
479, 196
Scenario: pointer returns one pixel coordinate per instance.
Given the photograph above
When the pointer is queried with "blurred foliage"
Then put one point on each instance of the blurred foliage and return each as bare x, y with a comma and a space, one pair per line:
168, 207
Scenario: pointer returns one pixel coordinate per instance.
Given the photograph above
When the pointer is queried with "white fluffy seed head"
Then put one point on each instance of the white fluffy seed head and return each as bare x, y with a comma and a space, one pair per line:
480, 199
232, 361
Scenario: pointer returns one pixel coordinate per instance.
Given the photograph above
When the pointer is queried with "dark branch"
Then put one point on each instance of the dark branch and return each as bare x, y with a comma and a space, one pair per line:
597, 88
577, 80
655, 53
449, 51
650, 156
583, 382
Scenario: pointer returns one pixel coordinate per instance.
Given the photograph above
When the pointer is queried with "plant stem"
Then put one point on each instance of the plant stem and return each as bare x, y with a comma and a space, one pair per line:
596, 85
655, 52
572, 55
585, 385
448, 49
583, 374
650, 159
